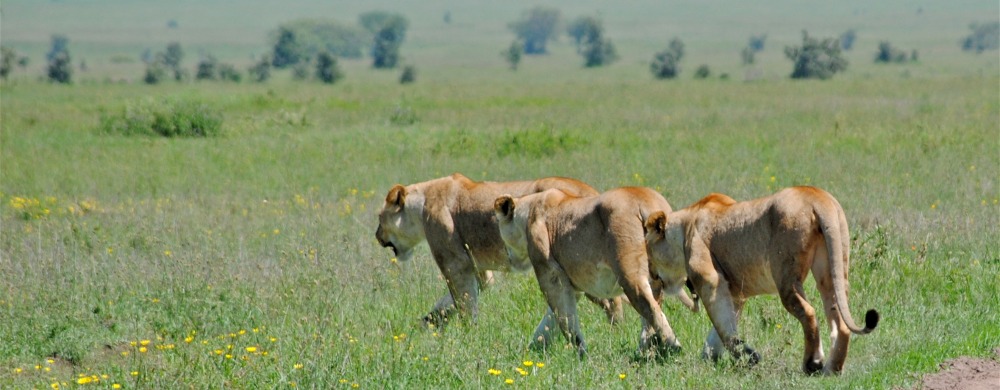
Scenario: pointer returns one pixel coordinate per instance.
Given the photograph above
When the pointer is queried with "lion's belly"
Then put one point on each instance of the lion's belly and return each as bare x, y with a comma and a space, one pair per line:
592, 276
755, 279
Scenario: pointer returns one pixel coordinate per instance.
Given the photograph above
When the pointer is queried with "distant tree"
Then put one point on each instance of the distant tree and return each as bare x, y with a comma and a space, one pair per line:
7, 58
756, 42
388, 40
22, 62
536, 28
60, 43
816, 58
598, 53
207, 68
847, 39
513, 54
666, 64
228, 72
588, 33
173, 56
584, 29
373, 21
261, 71
409, 75
60, 66
447, 17
287, 50
703, 72
985, 36
889, 54
914, 56
327, 69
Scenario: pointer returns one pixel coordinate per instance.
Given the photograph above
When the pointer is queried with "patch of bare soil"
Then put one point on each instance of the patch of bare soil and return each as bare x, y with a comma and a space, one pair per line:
965, 373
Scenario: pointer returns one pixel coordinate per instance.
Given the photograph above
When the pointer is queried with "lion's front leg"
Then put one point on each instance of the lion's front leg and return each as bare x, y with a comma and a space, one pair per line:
562, 300
463, 285
724, 313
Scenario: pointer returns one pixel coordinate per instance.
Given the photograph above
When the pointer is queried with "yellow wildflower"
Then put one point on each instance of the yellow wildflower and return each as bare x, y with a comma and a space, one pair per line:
539, 364
621, 376
494, 372
143, 349
84, 380
116, 386
144, 342
298, 366
528, 363
509, 381
251, 349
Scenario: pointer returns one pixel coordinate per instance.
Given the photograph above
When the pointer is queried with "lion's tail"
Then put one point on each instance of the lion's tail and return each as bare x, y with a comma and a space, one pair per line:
834, 226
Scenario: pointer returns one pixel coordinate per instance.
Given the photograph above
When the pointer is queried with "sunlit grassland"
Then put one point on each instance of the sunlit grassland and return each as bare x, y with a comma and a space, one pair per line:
249, 260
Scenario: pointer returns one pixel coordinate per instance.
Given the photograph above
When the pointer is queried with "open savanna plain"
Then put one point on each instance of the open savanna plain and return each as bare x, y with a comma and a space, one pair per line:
248, 259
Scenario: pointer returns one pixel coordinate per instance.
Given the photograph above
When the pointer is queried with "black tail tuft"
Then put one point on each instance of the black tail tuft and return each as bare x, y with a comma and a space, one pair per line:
871, 319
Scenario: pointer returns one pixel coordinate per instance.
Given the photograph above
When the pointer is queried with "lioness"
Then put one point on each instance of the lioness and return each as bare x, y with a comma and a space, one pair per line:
592, 244
734, 251
455, 215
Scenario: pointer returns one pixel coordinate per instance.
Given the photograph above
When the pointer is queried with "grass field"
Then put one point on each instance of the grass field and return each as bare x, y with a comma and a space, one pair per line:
249, 260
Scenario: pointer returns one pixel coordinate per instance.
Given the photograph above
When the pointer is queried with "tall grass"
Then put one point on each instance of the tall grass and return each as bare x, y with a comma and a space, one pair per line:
248, 260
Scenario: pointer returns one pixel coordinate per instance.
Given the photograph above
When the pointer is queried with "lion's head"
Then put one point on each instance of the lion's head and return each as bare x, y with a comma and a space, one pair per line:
399, 225
512, 221
663, 242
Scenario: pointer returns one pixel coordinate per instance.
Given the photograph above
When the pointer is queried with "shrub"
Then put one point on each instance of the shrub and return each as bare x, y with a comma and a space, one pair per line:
536, 28
599, 53
666, 64
888, 54
327, 69
165, 118
409, 75
984, 37
60, 44
815, 58
703, 72
228, 72
155, 73
513, 54
207, 68
261, 71
402, 115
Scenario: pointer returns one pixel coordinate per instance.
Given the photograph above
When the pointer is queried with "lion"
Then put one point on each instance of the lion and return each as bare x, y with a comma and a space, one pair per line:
736, 250
592, 244
454, 214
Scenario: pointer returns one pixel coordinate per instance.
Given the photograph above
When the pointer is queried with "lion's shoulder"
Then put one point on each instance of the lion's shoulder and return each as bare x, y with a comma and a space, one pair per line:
713, 202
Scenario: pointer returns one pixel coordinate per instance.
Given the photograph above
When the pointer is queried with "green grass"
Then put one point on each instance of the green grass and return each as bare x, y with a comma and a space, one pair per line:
268, 228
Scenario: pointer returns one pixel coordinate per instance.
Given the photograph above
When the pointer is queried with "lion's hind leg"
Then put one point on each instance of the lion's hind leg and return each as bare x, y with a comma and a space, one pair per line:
793, 298
562, 299
840, 334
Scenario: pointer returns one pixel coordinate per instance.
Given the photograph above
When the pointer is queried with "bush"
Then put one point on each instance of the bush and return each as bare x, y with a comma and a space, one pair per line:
207, 68
261, 71
155, 73
228, 72
409, 75
513, 54
536, 28
327, 69
747, 55
984, 37
888, 54
60, 44
584, 29
666, 64
815, 58
164, 118
703, 72
756, 42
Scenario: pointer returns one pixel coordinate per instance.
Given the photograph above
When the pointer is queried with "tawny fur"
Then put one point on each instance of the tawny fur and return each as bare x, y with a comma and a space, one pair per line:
594, 245
736, 250
455, 216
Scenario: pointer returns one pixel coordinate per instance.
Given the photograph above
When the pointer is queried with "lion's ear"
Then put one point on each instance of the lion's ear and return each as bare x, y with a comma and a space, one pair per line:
656, 223
504, 207
396, 196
